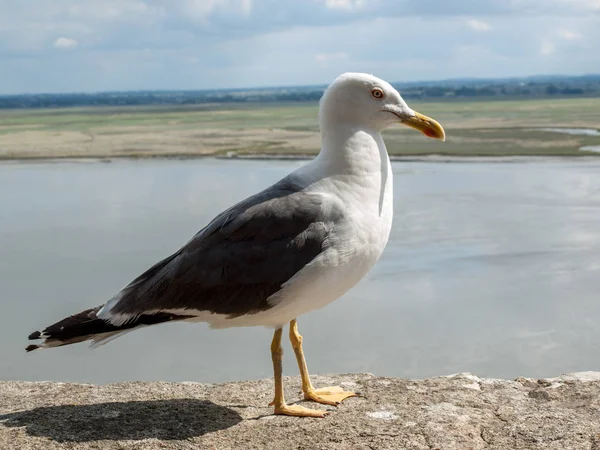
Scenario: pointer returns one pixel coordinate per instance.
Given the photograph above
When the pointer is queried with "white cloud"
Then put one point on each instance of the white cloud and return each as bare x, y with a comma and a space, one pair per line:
63, 42
478, 25
593, 5
569, 35
239, 43
203, 9
547, 48
467, 54
109, 10
246, 6
344, 4
326, 57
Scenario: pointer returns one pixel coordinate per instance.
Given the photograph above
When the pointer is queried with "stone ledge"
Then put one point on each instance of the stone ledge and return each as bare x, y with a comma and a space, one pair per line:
457, 412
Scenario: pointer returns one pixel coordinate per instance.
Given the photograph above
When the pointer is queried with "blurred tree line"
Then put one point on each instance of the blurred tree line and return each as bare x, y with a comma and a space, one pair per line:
533, 87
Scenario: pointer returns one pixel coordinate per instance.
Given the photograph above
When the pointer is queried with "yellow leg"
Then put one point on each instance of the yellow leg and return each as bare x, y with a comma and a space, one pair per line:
279, 401
332, 395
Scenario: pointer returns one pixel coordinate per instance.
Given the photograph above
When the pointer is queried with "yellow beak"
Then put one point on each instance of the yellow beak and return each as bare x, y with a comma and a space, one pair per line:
425, 125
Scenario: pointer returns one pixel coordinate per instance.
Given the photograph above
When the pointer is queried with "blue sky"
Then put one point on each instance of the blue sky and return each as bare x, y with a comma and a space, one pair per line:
96, 45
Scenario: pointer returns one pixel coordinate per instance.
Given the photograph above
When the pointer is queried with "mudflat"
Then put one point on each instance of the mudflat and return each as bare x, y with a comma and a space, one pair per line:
474, 128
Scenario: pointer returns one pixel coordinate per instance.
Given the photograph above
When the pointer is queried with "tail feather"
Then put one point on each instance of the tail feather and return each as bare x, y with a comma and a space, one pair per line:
87, 326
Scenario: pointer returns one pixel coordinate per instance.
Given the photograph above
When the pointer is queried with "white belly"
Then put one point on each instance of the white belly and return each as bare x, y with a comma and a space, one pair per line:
318, 284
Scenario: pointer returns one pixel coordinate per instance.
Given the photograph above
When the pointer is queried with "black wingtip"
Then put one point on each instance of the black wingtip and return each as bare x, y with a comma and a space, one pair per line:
35, 335
31, 348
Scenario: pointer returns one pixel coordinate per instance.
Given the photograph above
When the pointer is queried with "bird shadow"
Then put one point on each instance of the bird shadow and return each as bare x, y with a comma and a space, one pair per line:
174, 419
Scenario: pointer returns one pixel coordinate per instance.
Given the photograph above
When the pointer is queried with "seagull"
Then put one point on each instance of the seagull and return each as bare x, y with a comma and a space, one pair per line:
290, 249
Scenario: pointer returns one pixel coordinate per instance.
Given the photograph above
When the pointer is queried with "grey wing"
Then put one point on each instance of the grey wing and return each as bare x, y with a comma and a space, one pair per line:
239, 260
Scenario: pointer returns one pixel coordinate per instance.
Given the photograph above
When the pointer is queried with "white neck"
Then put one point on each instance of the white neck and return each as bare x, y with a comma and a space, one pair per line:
355, 160
352, 150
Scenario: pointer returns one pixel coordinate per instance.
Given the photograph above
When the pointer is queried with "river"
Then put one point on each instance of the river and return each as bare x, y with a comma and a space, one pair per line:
491, 268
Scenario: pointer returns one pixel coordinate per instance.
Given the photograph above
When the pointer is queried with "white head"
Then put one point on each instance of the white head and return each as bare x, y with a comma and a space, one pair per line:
365, 101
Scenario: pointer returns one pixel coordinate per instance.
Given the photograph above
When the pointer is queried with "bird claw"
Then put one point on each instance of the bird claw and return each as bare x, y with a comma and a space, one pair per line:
332, 395
299, 411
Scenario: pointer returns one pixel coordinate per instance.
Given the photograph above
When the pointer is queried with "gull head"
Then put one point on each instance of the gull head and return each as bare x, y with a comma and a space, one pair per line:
365, 101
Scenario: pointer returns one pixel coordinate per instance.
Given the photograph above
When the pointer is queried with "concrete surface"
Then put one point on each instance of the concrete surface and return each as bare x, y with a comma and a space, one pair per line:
458, 412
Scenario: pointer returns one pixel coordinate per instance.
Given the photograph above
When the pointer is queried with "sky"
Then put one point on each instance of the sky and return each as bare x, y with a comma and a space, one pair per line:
100, 45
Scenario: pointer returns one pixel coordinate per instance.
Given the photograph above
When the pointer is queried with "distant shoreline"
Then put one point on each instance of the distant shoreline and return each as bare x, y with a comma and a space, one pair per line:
512, 88
433, 158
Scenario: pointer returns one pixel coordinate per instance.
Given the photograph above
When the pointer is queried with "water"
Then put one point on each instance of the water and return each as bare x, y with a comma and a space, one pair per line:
574, 131
590, 148
579, 132
491, 268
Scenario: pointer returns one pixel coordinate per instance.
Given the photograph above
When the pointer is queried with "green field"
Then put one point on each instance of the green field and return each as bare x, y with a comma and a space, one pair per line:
478, 128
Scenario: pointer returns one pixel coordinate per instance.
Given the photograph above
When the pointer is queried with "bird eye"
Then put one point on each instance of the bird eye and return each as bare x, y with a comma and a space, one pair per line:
377, 94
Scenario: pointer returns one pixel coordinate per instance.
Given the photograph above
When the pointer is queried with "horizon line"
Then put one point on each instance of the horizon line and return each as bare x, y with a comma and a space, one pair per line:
315, 86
